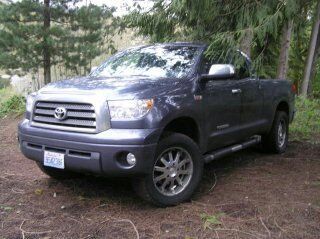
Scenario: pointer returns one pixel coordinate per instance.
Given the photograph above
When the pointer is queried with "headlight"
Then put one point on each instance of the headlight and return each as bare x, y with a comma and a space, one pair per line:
30, 101
129, 109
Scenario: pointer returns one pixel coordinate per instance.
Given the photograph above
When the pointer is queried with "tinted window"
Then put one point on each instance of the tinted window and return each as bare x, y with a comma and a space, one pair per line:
239, 61
157, 61
206, 64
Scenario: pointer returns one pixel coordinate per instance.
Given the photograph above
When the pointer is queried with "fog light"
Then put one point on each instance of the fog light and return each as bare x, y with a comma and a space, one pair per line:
131, 159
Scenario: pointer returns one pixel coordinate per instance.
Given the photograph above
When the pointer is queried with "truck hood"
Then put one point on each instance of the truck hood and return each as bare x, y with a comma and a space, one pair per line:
113, 88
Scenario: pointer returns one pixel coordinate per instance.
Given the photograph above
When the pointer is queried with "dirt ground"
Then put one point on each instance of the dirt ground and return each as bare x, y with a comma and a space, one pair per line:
247, 195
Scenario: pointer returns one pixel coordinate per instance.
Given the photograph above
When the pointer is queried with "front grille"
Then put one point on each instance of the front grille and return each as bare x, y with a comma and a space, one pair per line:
79, 115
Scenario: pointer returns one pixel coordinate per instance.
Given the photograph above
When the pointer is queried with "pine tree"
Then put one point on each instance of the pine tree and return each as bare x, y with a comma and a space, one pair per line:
92, 28
311, 51
36, 34
45, 42
284, 49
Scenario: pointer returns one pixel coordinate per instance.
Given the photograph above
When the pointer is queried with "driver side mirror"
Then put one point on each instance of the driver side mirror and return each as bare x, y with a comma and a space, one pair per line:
220, 72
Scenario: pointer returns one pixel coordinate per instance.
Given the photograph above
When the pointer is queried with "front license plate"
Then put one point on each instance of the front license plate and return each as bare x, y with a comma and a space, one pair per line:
53, 159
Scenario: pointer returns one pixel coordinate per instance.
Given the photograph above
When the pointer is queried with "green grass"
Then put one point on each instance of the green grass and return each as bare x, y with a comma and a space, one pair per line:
11, 103
5, 93
210, 221
5, 208
306, 125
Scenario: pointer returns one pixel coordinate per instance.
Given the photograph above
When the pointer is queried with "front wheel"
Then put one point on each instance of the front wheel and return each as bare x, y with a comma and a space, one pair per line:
176, 172
276, 140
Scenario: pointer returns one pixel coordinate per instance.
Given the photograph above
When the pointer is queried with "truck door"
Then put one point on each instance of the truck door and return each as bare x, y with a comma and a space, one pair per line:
222, 105
251, 98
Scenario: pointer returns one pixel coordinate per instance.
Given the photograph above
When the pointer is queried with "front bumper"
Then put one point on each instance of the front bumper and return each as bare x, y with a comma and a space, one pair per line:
100, 153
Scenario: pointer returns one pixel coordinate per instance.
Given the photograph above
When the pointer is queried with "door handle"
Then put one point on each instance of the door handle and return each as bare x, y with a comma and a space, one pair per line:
236, 91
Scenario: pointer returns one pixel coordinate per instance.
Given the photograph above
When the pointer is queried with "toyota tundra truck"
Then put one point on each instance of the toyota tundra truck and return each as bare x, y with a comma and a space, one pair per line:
156, 115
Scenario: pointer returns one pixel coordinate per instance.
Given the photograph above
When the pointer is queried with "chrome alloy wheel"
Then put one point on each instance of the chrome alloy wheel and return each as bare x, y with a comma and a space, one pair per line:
172, 171
282, 133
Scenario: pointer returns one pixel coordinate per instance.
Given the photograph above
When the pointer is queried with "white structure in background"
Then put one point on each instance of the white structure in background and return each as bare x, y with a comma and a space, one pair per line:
22, 85
5, 77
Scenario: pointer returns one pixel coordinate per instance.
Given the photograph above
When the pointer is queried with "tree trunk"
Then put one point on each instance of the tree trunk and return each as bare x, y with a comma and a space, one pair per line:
246, 42
284, 51
314, 64
311, 52
46, 47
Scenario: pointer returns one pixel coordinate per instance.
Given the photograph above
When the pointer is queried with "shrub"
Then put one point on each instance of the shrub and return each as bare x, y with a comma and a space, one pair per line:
5, 93
15, 104
4, 83
316, 86
306, 125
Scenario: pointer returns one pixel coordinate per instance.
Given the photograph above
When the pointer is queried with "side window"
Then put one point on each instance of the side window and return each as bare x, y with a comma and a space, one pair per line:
205, 65
240, 62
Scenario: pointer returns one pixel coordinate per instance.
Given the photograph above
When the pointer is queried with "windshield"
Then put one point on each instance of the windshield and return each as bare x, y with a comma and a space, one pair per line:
151, 61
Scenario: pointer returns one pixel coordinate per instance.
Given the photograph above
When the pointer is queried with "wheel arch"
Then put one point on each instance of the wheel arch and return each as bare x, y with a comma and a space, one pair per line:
283, 106
184, 125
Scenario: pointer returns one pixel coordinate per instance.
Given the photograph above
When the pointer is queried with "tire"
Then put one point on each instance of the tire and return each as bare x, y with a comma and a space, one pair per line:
276, 140
171, 182
58, 174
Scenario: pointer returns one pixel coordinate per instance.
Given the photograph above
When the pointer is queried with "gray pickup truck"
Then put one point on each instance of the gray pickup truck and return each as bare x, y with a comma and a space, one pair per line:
156, 113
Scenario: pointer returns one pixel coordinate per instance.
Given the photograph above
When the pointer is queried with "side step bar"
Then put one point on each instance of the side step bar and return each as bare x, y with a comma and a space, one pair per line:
231, 149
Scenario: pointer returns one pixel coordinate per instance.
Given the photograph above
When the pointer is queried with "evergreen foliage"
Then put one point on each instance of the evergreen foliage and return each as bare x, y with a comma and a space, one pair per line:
223, 24
76, 35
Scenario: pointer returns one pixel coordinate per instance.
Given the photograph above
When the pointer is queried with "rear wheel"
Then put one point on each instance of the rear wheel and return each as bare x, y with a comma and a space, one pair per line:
277, 139
55, 173
176, 172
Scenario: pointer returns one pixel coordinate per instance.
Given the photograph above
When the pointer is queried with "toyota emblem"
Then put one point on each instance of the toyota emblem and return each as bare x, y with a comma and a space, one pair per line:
60, 113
